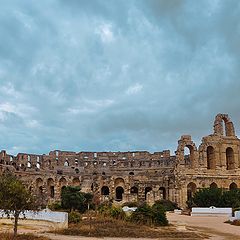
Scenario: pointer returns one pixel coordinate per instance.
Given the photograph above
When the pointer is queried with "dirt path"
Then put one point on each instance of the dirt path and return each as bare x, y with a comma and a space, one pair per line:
210, 225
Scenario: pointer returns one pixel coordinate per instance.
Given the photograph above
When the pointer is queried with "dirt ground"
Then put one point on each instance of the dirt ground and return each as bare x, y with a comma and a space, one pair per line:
212, 226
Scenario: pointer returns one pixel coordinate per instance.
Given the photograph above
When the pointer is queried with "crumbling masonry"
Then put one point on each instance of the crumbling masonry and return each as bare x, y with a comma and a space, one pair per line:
135, 176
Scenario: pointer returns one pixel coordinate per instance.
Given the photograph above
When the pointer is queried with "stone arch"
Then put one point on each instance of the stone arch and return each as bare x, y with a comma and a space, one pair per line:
50, 184
191, 190
233, 186
105, 191
229, 158
162, 191
66, 163
39, 184
147, 190
213, 185
211, 161
62, 182
131, 173
119, 182
119, 193
134, 190
219, 129
189, 159
76, 182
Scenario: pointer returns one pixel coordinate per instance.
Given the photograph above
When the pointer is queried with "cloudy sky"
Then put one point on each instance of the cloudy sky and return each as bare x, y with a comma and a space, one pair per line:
107, 75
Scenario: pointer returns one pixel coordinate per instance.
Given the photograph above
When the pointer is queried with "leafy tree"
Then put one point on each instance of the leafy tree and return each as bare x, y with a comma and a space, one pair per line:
73, 199
15, 198
208, 197
231, 198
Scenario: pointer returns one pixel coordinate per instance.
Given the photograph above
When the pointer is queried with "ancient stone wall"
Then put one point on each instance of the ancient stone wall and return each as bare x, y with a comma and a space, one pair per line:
136, 176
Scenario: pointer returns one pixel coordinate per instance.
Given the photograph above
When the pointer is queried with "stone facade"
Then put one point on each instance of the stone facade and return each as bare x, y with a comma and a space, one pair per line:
136, 176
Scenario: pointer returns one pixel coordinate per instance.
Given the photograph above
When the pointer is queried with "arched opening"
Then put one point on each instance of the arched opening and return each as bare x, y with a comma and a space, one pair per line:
191, 189
131, 173
52, 191
229, 158
105, 190
62, 182
232, 186
147, 190
38, 165
50, 184
162, 192
188, 155
66, 164
76, 182
40, 190
119, 193
213, 185
134, 190
211, 163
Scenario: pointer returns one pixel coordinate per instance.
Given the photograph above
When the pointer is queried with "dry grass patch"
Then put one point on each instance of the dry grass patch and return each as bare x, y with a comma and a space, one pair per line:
108, 227
9, 236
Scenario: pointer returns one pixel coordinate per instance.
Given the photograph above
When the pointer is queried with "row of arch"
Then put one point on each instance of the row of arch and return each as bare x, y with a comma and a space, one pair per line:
119, 191
211, 157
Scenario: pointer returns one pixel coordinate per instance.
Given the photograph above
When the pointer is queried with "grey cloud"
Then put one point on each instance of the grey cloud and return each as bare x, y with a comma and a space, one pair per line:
72, 63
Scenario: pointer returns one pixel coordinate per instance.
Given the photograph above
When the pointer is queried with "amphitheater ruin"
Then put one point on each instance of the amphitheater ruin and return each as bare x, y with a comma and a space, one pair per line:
135, 176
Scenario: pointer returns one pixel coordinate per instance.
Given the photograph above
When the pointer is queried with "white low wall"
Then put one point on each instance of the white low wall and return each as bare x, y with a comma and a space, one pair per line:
44, 215
211, 211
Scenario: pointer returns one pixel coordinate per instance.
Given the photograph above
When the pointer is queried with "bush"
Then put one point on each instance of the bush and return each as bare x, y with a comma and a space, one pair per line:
207, 197
216, 197
159, 215
112, 211
167, 204
74, 217
146, 215
55, 206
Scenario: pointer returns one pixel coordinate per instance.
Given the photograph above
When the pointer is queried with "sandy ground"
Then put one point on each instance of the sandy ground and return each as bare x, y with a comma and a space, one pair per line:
212, 226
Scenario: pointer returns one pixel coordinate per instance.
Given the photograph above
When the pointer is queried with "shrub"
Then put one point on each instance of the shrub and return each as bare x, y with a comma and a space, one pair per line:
159, 215
208, 197
167, 204
216, 197
146, 215
74, 217
117, 213
55, 206
112, 211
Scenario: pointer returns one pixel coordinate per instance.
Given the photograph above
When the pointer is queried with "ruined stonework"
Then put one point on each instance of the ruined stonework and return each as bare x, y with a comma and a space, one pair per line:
135, 176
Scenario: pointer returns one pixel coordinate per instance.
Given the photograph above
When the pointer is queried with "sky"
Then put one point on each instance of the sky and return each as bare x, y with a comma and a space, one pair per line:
107, 75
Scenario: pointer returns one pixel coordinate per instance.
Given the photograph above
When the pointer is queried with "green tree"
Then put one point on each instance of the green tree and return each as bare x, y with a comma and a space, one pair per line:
208, 197
15, 198
231, 198
73, 199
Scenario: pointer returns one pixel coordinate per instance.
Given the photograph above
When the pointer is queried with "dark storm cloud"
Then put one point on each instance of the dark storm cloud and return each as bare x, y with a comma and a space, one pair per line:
115, 75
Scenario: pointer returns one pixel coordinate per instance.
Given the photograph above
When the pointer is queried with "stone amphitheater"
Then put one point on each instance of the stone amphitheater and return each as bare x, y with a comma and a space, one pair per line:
135, 176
